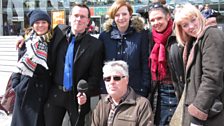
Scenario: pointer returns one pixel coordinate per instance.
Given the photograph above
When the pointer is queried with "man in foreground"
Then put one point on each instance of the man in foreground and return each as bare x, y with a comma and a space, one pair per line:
124, 106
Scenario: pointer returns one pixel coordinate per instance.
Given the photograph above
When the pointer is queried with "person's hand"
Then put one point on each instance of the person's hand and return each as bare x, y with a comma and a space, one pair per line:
195, 112
19, 42
81, 97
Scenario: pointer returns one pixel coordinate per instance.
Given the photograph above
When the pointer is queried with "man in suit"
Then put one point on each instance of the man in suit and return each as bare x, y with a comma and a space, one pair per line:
87, 64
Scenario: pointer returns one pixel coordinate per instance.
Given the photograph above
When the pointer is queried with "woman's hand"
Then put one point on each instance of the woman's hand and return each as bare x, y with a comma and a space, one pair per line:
19, 42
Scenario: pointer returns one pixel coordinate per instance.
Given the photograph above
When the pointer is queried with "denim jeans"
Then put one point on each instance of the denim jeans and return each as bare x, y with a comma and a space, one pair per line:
166, 104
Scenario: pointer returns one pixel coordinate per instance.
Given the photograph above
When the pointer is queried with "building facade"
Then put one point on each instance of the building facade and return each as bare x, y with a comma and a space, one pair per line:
13, 18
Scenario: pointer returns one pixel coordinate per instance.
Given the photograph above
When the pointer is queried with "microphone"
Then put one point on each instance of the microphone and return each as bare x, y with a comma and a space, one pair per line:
82, 87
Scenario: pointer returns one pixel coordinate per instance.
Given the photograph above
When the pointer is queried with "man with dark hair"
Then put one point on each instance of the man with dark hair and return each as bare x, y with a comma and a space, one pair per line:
73, 55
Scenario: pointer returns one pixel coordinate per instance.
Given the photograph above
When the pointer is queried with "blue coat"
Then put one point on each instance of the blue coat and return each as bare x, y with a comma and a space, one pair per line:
132, 47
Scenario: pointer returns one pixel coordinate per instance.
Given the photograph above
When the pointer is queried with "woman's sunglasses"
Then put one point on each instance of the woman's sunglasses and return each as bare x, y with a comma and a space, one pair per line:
156, 5
115, 78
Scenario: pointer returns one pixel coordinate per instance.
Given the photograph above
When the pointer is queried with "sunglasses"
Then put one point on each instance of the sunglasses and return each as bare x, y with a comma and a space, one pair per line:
115, 78
156, 5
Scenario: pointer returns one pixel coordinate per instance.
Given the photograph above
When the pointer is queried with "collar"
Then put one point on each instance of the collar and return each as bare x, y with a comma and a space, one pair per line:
109, 98
115, 33
70, 34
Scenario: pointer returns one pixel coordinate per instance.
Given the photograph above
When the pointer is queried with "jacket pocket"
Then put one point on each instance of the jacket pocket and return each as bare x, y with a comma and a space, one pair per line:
216, 108
127, 120
22, 86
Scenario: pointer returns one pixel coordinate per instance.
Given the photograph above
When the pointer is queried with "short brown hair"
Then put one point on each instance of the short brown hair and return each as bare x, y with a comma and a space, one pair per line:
82, 6
117, 5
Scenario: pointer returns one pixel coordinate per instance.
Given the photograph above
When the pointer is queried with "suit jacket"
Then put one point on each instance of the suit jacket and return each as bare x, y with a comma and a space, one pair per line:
88, 59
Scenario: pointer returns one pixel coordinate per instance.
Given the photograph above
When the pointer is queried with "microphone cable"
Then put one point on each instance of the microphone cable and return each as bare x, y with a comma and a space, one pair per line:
77, 120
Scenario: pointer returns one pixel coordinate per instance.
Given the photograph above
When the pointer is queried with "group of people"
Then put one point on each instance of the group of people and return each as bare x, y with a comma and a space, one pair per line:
140, 75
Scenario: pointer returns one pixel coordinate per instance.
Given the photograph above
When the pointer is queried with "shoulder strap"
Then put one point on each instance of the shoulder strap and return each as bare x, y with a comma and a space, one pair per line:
176, 63
176, 58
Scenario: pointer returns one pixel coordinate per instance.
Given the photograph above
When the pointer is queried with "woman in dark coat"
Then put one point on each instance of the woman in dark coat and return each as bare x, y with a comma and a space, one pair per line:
30, 80
203, 61
125, 39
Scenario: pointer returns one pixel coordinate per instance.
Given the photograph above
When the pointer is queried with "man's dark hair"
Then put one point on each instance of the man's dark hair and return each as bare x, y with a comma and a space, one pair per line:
82, 6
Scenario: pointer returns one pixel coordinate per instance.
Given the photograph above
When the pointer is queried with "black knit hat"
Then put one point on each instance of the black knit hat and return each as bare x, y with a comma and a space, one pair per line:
36, 15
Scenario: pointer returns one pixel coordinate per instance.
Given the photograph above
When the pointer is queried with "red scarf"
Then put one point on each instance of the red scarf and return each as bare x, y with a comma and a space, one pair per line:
158, 53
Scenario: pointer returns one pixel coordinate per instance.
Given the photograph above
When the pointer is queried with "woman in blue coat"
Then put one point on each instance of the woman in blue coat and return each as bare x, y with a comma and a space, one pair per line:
125, 39
31, 77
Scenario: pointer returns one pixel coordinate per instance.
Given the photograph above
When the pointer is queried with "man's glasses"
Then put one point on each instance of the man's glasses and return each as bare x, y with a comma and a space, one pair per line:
80, 16
115, 78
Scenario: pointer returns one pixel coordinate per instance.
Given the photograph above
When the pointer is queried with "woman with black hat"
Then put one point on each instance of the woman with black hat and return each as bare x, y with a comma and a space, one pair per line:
30, 80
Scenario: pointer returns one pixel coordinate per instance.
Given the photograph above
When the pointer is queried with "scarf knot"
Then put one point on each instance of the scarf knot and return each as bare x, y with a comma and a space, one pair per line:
36, 53
158, 53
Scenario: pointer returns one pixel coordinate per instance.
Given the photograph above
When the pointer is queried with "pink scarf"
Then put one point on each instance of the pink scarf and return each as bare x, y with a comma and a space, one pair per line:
158, 53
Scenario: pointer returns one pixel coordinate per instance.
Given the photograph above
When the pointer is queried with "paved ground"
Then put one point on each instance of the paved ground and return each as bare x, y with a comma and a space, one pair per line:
4, 119
3, 84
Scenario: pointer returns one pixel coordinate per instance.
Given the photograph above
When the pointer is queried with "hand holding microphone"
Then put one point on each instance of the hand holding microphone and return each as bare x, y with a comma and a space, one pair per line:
81, 98
82, 87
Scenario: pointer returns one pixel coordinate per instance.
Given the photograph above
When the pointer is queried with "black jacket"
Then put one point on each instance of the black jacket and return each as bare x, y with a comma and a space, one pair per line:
31, 94
88, 59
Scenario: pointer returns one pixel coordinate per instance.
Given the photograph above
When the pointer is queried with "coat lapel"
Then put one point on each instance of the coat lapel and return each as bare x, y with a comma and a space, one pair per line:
78, 53
82, 47
191, 56
58, 38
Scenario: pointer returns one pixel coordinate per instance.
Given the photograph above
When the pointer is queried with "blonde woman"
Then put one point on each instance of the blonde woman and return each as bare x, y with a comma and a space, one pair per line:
203, 60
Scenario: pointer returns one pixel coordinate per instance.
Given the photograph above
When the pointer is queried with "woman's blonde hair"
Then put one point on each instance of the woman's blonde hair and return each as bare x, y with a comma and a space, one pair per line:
186, 12
117, 5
